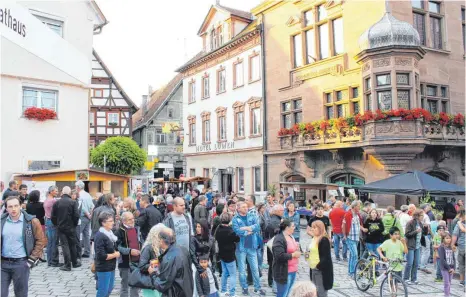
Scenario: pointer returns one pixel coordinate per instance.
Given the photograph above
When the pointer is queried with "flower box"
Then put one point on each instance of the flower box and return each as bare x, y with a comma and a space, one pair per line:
39, 114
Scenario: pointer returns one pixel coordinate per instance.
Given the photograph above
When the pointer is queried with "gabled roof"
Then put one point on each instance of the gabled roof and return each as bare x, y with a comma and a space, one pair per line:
101, 19
120, 89
247, 16
156, 101
250, 30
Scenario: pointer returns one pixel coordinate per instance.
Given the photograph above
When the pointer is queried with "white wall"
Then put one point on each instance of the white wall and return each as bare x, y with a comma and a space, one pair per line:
226, 99
44, 60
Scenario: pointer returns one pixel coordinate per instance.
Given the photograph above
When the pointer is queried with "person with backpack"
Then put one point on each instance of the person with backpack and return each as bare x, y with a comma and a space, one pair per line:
389, 220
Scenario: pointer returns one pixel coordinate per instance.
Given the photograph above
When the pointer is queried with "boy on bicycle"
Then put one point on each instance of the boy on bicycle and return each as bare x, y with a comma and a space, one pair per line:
394, 248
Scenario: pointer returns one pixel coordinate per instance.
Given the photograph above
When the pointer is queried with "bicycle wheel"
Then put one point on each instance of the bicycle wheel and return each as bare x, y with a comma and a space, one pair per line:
393, 285
363, 275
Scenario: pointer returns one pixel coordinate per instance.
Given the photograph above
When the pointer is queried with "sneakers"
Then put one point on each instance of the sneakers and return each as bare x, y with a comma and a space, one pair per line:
245, 292
259, 292
462, 283
425, 270
408, 282
265, 266
438, 280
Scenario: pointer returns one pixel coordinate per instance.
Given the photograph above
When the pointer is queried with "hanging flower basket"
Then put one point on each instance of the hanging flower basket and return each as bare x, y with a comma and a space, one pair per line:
39, 114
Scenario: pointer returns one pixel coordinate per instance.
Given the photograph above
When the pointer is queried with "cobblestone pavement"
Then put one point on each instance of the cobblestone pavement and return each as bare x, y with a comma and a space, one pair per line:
52, 282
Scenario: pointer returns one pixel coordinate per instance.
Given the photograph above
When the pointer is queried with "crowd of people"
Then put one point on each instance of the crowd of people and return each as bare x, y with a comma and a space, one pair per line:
178, 246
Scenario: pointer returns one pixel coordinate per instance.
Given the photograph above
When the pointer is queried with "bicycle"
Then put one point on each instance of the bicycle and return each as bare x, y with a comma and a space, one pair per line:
366, 276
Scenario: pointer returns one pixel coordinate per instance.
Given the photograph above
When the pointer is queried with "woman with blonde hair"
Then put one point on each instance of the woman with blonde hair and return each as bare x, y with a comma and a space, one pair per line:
304, 289
320, 259
150, 251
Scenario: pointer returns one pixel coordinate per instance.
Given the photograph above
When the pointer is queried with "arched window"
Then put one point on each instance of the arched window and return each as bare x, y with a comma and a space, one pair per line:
347, 179
440, 175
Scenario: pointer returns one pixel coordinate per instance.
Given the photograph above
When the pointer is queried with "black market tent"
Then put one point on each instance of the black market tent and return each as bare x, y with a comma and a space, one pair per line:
415, 183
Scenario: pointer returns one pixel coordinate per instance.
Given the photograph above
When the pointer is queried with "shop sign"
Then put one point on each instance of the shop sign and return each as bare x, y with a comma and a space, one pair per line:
216, 147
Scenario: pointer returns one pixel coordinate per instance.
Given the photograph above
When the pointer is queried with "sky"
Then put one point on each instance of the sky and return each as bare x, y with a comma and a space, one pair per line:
146, 40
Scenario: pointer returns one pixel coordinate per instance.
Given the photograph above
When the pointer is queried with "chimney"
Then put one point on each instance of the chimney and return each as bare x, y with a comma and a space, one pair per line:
144, 105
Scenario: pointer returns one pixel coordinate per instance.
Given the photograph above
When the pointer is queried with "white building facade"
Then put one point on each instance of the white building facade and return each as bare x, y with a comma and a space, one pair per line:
222, 104
46, 65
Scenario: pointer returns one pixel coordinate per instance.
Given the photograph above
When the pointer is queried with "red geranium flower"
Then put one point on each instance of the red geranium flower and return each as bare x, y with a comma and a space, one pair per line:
39, 114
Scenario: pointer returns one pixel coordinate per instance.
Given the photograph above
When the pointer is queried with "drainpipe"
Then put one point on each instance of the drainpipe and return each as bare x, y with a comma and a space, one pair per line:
264, 104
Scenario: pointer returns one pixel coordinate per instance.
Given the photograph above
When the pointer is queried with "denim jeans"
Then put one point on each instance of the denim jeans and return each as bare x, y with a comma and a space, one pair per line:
18, 272
52, 242
438, 273
251, 255
372, 247
283, 290
86, 239
105, 282
336, 245
425, 253
260, 256
229, 274
412, 264
353, 255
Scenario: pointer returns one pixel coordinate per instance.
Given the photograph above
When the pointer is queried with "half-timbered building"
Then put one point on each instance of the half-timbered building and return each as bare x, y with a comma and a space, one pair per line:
111, 109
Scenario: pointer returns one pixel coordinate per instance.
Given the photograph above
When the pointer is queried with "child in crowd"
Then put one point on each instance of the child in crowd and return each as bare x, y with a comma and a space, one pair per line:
446, 258
434, 224
436, 242
394, 248
206, 287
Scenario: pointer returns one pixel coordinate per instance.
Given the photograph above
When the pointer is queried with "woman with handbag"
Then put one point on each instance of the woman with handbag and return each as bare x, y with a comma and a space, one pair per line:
320, 259
105, 255
149, 258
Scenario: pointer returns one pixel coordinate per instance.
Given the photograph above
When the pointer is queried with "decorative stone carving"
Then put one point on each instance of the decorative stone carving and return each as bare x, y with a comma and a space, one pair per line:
290, 163
381, 62
440, 156
366, 67
395, 158
416, 64
369, 130
383, 129
310, 160
338, 158
293, 20
399, 61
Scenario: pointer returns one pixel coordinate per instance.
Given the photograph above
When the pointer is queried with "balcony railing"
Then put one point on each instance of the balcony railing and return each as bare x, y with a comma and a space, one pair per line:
394, 130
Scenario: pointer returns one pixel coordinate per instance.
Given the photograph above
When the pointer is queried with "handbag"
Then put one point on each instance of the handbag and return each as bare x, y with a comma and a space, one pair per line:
140, 280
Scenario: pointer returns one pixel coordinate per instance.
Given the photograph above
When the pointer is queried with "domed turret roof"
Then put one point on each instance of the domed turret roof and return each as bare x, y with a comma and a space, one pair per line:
389, 31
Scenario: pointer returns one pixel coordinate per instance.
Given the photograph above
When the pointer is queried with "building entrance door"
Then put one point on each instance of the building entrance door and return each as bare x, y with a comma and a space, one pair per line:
227, 183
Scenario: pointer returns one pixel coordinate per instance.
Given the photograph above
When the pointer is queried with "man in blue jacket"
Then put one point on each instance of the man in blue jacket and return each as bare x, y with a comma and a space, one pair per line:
247, 227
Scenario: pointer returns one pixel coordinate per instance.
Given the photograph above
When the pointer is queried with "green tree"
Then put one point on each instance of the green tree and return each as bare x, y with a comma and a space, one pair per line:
123, 155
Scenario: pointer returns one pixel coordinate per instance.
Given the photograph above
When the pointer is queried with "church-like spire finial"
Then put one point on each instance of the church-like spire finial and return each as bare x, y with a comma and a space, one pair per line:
387, 6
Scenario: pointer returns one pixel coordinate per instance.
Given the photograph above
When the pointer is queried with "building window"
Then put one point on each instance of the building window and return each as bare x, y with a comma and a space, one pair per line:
355, 107
170, 113
291, 113
309, 17
329, 112
434, 7
220, 35
436, 32
192, 91
257, 179
213, 39
338, 41
205, 87
206, 131
420, 26
98, 93
321, 13
464, 27
113, 118
238, 74
54, 25
192, 172
239, 124
383, 80
256, 121
150, 137
40, 98
160, 137
222, 128
435, 98
328, 97
240, 179
310, 47
341, 110
297, 51
339, 95
384, 99
92, 119
221, 80
323, 42
403, 99
254, 68
402, 79
418, 3
206, 172
192, 133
